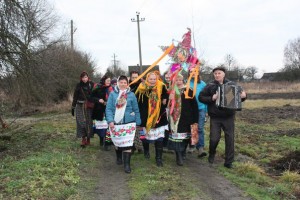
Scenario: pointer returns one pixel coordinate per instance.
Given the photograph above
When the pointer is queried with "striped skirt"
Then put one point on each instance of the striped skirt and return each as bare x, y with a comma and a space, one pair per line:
84, 121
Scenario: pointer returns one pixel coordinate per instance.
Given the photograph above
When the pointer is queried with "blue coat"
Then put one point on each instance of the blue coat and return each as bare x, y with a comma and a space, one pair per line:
132, 113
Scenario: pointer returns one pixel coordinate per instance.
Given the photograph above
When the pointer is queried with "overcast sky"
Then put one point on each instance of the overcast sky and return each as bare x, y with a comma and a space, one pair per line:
254, 32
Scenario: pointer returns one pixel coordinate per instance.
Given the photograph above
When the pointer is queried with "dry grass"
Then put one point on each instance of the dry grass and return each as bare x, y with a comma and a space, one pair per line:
271, 87
59, 107
290, 177
252, 104
249, 167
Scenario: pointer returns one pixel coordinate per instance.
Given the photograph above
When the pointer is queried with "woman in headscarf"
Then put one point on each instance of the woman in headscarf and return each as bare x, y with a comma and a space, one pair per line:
82, 94
100, 95
184, 114
152, 98
122, 114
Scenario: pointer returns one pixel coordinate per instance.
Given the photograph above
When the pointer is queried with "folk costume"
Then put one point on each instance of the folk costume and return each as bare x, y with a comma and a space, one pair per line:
153, 115
185, 114
122, 109
101, 91
82, 94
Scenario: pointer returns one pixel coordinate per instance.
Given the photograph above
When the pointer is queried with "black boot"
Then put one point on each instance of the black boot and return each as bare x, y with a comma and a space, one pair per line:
127, 156
146, 150
179, 159
101, 141
158, 157
119, 157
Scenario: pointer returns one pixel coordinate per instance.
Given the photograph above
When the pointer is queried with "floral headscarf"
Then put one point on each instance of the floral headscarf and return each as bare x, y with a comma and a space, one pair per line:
154, 99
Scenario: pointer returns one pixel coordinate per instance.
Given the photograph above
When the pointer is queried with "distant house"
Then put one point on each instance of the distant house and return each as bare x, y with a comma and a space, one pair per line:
144, 67
272, 76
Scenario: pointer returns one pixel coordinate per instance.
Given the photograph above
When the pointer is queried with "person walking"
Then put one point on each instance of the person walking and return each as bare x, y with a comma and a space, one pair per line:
152, 99
81, 96
100, 95
202, 111
183, 116
122, 115
220, 119
133, 87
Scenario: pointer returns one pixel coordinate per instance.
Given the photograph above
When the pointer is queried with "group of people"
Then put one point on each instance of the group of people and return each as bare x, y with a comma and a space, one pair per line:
135, 113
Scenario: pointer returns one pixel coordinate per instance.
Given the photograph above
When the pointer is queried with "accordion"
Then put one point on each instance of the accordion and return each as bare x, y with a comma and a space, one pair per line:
229, 97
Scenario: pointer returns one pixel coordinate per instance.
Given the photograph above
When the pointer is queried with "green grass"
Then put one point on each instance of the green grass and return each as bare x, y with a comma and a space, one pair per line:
165, 181
43, 161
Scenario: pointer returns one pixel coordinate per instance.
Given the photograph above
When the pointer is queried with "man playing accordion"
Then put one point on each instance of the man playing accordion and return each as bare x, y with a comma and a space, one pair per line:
221, 116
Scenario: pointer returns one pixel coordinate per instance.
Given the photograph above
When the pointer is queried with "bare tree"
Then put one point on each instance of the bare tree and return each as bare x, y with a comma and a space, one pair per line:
291, 69
115, 70
250, 73
292, 54
230, 62
33, 67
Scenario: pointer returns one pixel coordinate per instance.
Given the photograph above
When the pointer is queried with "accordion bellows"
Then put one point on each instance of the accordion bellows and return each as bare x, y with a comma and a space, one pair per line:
229, 96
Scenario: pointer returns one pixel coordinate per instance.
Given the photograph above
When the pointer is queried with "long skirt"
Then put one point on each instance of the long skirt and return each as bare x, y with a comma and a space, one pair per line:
154, 134
100, 127
137, 142
178, 141
84, 124
123, 135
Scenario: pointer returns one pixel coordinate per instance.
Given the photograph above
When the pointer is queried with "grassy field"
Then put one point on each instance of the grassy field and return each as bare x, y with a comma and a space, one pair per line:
41, 159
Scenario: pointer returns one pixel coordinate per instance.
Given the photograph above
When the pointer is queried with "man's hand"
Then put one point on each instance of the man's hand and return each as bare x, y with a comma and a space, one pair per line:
243, 95
215, 96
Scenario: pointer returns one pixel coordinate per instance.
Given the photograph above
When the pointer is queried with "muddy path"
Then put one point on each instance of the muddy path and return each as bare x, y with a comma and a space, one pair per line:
112, 183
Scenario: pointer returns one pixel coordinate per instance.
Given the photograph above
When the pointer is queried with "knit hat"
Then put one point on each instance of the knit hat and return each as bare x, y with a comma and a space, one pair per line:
113, 81
219, 68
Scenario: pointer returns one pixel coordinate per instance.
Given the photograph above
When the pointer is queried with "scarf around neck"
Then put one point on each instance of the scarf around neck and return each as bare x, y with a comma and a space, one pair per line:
154, 101
121, 104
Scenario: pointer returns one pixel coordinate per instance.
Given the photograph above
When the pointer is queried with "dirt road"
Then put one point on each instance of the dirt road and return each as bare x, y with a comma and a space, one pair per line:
112, 184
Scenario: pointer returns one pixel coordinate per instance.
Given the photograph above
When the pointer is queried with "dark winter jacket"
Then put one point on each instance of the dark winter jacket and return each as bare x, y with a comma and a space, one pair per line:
206, 97
82, 92
189, 113
134, 86
100, 92
143, 106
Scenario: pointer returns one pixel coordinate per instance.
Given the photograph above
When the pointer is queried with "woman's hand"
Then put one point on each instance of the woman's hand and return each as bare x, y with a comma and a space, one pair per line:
101, 101
111, 125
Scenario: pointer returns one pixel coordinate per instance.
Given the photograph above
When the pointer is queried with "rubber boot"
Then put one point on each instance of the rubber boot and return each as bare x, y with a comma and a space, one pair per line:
179, 159
88, 141
83, 142
158, 158
101, 141
146, 150
119, 157
127, 156
184, 152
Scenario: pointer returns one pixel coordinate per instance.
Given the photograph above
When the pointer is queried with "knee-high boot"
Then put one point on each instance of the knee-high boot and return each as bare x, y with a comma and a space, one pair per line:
158, 153
146, 149
179, 159
127, 156
119, 157
101, 141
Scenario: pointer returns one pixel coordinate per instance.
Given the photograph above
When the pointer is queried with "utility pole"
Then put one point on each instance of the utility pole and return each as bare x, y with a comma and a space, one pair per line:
72, 33
115, 63
139, 37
